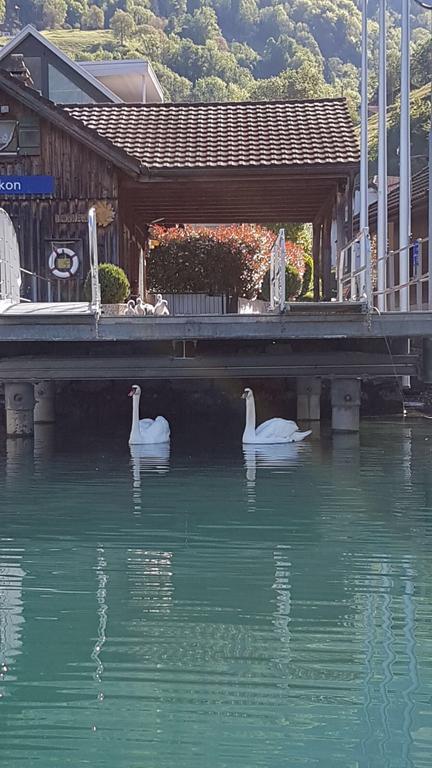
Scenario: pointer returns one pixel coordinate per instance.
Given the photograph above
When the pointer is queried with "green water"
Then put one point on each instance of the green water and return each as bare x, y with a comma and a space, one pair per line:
207, 609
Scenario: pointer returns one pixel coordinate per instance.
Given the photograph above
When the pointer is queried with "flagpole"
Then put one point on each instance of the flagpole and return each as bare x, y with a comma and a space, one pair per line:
364, 218
382, 160
404, 160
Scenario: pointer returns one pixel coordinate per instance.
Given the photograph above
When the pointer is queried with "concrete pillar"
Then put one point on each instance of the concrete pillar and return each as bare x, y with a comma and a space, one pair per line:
308, 398
427, 360
19, 401
44, 394
345, 400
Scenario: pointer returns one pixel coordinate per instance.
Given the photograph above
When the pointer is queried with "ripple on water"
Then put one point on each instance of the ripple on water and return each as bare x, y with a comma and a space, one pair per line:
259, 609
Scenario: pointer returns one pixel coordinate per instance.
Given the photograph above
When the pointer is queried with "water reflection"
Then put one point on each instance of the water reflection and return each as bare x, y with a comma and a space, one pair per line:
250, 640
147, 459
11, 610
276, 457
43, 445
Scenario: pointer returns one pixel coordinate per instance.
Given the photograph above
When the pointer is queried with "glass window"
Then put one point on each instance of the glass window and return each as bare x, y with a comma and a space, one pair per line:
34, 65
64, 91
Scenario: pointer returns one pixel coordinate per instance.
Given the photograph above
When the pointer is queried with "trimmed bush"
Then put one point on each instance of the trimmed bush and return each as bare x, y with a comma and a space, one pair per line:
114, 284
293, 283
226, 260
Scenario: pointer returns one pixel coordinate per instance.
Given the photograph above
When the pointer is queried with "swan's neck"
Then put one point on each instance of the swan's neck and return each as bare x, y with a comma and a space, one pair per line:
135, 430
250, 418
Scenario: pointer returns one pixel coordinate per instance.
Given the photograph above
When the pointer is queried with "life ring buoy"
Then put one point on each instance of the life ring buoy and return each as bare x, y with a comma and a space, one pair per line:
70, 263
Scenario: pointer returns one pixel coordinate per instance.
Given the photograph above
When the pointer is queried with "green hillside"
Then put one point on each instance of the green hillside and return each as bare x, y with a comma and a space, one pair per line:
208, 50
420, 122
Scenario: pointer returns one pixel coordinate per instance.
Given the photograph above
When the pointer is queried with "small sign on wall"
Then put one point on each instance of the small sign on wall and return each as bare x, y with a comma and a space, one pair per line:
26, 185
64, 258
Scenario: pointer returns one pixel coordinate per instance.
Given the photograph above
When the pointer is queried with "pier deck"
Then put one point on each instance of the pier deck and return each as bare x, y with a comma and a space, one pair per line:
33, 323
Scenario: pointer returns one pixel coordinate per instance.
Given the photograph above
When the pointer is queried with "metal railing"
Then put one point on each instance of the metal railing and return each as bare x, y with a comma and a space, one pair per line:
417, 289
351, 273
412, 295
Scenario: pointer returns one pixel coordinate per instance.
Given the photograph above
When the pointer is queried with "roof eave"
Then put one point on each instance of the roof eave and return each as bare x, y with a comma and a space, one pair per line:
71, 125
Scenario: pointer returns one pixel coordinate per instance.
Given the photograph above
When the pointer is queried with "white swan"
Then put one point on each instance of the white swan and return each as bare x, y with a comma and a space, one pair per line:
145, 431
130, 309
142, 308
161, 306
272, 431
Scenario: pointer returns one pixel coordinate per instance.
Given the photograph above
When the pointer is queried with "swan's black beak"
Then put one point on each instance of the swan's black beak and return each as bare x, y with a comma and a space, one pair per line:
131, 393
243, 397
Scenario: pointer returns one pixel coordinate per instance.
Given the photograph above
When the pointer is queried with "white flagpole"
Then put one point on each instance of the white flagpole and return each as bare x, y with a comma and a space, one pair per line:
382, 159
364, 218
404, 160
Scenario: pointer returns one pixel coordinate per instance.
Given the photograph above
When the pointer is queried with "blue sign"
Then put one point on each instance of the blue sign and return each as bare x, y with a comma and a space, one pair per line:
26, 185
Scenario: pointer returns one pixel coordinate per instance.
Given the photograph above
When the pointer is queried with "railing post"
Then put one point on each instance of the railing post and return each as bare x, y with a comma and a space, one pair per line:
391, 281
382, 159
94, 266
405, 162
418, 262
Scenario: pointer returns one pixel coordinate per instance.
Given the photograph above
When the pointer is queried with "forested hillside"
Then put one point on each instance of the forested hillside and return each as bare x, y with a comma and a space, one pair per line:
206, 50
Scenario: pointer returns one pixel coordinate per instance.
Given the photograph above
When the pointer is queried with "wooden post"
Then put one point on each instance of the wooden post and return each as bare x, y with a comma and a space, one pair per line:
349, 203
316, 259
340, 225
326, 259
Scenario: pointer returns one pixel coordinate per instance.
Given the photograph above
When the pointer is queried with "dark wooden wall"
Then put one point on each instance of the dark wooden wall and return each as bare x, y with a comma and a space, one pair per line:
81, 179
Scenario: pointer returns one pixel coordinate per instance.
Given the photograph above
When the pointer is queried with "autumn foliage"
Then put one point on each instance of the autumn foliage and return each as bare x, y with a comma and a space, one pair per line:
229, 260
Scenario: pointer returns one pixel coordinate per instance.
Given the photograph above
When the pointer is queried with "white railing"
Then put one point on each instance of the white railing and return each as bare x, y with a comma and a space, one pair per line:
352, 275
418, 287
352, 282
10, 273
278, 273
94, 262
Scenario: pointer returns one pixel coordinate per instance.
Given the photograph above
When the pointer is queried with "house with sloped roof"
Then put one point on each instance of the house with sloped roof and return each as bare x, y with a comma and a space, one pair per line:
65, 81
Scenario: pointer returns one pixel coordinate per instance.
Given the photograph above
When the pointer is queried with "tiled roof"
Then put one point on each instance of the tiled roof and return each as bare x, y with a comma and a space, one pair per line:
220, 135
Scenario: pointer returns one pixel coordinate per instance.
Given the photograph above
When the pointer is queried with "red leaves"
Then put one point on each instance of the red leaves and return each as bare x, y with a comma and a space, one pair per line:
226, 259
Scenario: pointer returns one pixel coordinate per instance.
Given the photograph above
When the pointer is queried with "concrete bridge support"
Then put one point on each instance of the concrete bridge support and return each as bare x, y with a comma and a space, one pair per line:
308, 398
427, 360
19, 401
44, 394
345, 400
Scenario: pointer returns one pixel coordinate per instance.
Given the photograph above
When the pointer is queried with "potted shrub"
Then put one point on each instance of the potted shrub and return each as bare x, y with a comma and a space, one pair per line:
114, 286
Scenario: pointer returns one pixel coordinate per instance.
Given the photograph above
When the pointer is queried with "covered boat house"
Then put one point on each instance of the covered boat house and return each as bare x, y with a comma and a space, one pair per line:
138, 163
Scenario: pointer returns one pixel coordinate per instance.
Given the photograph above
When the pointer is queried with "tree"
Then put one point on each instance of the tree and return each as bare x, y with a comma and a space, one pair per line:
175, 87
122, 25
421, 64
215, 89
201, 26
93, 18
53, 13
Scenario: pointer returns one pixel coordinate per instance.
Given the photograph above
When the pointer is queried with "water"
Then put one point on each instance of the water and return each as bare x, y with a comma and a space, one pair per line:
207, 609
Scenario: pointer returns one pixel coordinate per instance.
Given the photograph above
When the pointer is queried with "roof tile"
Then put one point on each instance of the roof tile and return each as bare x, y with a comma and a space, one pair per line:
220, 135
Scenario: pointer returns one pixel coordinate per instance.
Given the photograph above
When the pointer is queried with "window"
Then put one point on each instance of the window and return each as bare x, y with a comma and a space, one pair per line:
64, 91
34, 65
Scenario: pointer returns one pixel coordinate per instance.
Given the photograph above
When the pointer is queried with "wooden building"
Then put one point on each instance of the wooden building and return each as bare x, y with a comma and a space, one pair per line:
290, 161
